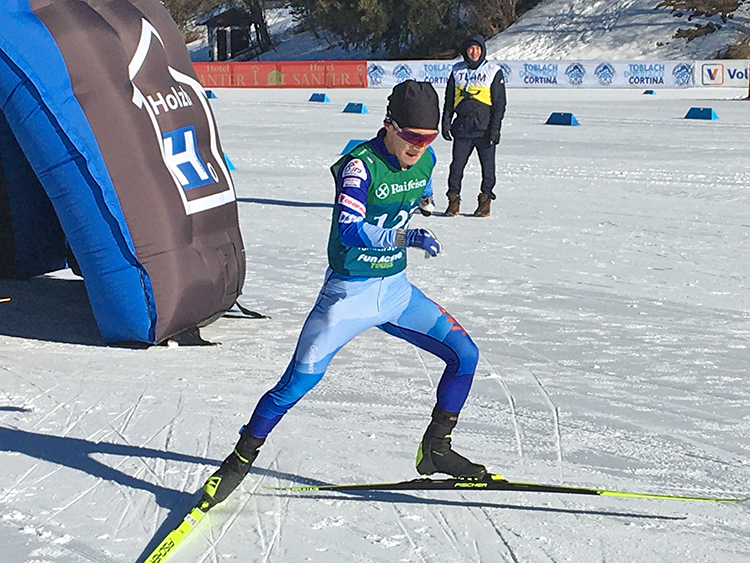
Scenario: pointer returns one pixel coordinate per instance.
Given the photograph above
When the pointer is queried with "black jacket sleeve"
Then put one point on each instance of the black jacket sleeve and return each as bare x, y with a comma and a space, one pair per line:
448, 108
497, 91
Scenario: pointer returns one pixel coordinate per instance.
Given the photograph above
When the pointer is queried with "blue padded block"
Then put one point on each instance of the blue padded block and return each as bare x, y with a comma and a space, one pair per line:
561, 118
351, 144
701, 113
353, 107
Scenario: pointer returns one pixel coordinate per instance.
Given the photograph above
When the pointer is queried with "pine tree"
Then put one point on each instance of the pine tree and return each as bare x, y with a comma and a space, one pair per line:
409, 28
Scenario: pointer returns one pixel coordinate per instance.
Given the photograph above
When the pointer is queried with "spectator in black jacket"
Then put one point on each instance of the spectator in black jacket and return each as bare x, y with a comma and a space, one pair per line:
476, 95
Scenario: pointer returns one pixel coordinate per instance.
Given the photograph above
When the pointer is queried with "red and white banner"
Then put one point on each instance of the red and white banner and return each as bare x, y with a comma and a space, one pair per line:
309, 74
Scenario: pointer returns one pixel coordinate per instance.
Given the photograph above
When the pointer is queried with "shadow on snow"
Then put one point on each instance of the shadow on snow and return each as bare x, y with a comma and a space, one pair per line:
50, 309
76, 453
284, 202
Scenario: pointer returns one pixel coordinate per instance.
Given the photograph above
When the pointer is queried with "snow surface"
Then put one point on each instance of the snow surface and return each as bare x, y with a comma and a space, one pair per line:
607, 29
608, 294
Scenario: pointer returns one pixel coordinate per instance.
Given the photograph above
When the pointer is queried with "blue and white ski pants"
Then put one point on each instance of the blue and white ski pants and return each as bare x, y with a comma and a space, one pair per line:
347, 307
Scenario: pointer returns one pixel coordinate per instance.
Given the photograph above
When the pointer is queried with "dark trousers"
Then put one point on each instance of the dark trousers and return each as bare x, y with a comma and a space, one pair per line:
462, 149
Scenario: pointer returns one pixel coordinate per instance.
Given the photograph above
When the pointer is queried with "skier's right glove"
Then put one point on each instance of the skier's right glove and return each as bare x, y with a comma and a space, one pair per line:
447, 133
419, 238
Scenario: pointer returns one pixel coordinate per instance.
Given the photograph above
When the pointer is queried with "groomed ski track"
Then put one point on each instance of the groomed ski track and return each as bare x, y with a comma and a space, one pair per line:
608, 294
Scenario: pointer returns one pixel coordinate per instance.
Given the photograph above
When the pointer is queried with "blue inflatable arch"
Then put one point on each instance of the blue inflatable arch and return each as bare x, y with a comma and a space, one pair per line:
107, 141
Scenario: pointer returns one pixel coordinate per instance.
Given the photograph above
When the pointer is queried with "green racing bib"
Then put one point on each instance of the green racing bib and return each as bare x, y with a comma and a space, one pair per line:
392, 198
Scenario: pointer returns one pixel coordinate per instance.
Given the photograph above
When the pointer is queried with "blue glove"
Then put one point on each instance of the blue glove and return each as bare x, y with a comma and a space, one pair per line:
424, 239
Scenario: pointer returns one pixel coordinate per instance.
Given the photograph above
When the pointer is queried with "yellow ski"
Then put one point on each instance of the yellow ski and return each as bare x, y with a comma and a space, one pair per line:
175, 537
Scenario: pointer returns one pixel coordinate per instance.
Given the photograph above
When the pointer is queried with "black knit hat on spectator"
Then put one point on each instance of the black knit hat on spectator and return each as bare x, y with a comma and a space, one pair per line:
414, 104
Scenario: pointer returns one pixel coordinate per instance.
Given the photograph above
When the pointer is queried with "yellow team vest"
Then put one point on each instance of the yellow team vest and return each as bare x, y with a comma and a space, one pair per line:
474, 84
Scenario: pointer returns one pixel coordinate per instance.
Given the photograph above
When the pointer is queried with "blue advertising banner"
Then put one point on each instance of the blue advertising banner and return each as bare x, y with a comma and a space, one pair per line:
546, 74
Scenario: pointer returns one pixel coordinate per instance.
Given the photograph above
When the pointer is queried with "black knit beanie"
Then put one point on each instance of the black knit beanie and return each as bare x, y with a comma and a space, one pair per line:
414, 104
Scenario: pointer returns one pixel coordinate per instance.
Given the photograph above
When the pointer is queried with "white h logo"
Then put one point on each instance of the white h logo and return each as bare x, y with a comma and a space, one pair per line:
186, 167
187, 156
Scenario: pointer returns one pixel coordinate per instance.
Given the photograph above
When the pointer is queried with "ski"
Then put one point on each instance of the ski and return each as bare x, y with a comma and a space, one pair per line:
496, 482
175, 537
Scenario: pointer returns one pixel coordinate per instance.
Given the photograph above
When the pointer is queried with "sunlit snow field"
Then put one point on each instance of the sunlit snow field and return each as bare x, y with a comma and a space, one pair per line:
608, 294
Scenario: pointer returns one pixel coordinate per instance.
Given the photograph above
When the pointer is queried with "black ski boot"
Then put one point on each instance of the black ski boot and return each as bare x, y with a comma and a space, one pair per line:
233, 469
435, 454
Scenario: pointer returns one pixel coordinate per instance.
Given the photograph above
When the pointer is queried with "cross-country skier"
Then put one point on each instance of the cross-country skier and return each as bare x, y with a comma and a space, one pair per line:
379, 185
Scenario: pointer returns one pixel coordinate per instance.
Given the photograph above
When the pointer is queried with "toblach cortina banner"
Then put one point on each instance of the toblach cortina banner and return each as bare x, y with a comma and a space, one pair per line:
546, 74
106, 128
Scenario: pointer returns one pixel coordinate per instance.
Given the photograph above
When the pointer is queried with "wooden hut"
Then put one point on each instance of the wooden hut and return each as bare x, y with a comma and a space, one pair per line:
236, 31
